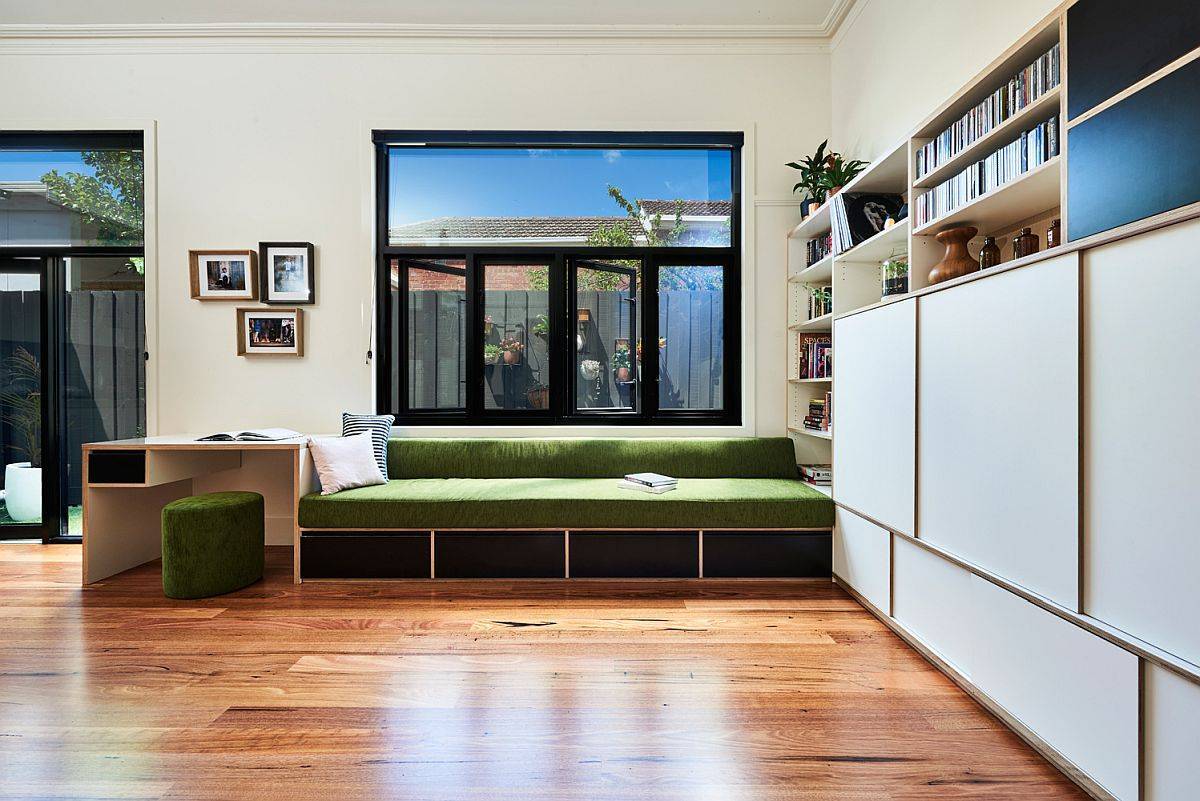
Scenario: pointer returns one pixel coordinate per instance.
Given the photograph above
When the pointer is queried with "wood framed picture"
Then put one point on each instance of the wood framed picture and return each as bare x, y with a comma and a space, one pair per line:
224, 274
288, 272
270, 332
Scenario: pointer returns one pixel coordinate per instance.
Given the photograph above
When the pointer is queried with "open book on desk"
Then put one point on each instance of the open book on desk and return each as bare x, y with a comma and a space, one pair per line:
253, 435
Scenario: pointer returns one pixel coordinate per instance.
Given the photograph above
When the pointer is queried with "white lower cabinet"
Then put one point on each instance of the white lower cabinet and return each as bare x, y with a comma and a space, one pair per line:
1172, 736
1078, 692
862, 558
932, 599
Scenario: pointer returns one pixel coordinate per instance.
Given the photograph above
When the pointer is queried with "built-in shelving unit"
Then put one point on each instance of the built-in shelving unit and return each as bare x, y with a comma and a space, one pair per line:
856, 280
1032, 199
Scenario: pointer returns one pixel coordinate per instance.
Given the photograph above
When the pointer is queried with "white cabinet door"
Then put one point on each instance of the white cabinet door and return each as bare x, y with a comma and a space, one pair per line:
874, 400
998, 425
862, 558
1172, 736
932, 599
1142, 463
1078, 692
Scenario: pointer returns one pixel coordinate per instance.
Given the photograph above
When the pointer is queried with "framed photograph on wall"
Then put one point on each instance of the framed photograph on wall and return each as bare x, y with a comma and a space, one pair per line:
288, 272
224, 274
270, 332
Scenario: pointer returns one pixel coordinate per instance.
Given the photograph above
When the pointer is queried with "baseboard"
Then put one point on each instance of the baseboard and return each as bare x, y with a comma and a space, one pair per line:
1044, 749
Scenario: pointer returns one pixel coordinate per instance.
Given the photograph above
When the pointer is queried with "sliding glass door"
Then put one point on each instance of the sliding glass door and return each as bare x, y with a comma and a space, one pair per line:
72, 371
22, 391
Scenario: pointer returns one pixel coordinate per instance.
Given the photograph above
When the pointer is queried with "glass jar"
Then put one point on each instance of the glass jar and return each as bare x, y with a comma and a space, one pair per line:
989, 254
895, 273
1054, 234
1025, 244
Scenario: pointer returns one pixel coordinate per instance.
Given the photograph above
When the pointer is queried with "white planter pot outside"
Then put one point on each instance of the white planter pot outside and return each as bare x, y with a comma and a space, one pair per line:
23, 492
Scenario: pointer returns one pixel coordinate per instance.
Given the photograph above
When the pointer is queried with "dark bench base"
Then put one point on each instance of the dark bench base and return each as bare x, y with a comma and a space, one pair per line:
346, 554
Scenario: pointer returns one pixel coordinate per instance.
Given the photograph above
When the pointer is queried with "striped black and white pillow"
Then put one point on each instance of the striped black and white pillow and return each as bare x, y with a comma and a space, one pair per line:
379, 426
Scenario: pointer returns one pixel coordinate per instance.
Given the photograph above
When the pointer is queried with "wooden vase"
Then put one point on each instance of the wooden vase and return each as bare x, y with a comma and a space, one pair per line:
957, 260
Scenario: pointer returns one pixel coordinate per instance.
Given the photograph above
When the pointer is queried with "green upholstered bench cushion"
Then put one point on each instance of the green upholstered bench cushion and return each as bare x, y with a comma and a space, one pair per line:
693, 457
430, 503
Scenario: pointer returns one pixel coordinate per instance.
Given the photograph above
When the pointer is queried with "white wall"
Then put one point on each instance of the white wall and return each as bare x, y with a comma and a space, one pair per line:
895, 61
262, 140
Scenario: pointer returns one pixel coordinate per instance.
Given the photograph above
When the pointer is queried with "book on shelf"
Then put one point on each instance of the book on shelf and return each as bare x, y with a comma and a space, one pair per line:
857, 216
814, 356
817, 249
636, 487
1018, 92
820, 301
1028, 151
819, 416
651, 479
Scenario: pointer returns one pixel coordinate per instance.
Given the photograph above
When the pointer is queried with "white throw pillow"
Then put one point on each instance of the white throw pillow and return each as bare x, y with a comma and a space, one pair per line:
345, 462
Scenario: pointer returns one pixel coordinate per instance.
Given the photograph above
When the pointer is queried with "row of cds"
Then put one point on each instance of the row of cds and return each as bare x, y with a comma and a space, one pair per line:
1031, 83
1032, 148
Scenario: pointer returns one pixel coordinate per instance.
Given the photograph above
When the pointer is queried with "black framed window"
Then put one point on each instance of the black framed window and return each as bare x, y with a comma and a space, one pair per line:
559, 277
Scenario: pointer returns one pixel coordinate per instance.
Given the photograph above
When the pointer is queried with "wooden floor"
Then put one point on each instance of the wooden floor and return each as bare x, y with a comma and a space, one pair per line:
477, 692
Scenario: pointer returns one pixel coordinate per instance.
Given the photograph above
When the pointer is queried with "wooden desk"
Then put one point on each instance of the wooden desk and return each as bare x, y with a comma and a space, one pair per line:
127, 482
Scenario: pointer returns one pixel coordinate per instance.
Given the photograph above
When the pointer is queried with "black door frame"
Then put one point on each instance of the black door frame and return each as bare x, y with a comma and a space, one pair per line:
53, 332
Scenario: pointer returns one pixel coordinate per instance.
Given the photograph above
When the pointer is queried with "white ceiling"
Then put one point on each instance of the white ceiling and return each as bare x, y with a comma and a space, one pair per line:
817, 16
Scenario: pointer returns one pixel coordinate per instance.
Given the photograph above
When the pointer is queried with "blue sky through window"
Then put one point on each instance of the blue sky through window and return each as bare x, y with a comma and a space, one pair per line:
31, 165
554, 182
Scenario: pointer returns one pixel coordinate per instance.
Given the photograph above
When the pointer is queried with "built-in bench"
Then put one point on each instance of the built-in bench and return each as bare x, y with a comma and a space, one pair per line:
552, 508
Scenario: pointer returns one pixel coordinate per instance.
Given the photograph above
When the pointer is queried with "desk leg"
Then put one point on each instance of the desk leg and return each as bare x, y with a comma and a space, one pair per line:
304, 481
122, 526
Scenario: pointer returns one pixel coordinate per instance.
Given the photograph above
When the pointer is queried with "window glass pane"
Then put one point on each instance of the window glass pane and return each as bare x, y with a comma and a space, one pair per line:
20, 391
606, 330
691, 330
516, 336
437, 335
103, 369
71, 196
656, 197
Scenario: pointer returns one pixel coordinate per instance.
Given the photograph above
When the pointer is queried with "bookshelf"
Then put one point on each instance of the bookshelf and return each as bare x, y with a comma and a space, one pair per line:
854, 278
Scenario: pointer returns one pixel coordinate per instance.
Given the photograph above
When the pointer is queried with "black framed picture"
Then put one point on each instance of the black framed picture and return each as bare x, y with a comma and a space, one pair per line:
287, 272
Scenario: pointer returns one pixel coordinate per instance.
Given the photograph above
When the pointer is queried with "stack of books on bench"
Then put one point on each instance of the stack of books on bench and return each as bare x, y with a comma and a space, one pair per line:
655, 483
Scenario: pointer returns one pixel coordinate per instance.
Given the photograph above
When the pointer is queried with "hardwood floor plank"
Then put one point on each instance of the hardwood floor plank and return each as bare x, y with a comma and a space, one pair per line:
478, 691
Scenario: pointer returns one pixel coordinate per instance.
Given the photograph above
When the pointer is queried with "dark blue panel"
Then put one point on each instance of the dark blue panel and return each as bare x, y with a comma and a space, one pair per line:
1138, 158
1113, 44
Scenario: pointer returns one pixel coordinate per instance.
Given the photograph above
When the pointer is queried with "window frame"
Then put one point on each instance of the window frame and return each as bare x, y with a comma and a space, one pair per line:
391, 345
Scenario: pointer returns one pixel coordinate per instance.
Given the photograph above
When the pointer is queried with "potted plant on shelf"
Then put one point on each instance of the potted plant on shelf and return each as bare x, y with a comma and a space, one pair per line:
488, 325
491, 354
512, 349
895, 274
621, 364
21, 408
839, 172
811, 168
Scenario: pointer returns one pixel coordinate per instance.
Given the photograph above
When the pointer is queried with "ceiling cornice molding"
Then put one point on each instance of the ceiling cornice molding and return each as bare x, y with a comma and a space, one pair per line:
851, 11
360, 37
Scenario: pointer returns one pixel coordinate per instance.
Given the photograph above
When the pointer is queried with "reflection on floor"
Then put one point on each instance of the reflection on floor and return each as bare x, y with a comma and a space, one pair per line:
477, 691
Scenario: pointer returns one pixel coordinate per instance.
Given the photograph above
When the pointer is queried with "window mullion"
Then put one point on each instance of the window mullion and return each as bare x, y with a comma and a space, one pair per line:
474, 338
649, 365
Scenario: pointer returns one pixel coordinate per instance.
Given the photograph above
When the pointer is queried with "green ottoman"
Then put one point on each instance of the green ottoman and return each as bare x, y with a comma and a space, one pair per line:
212, 544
